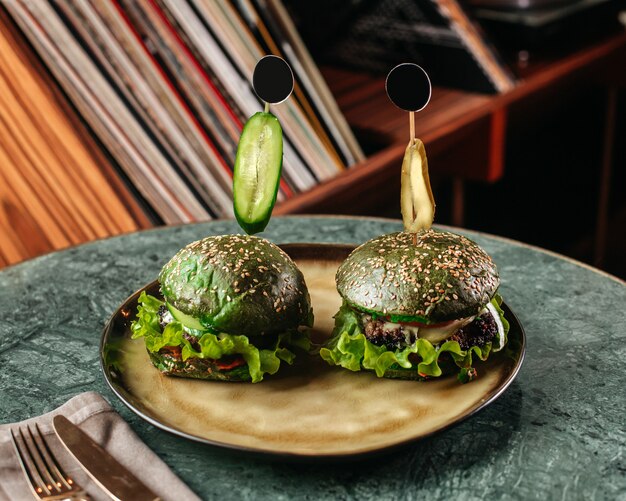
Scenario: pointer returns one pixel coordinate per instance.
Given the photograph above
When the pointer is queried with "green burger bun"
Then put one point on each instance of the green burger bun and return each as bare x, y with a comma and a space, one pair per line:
442, 276
238, 284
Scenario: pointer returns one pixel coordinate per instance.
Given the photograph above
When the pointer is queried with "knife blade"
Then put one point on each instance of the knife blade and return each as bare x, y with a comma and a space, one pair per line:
103, 468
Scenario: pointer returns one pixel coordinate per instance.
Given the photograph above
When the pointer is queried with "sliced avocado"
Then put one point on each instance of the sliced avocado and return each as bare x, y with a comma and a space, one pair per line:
186, 320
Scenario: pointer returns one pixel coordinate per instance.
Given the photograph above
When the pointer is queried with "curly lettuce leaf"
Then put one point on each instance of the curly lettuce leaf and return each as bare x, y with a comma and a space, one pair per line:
349, 348
214, 346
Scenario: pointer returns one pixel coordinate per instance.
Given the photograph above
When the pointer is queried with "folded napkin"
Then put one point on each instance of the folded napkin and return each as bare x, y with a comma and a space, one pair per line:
96, 417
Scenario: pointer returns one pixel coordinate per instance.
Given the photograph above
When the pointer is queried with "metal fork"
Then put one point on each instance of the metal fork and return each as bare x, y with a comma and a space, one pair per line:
47, 479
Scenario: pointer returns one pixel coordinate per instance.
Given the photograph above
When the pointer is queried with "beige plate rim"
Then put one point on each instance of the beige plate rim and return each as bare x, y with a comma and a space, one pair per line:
300, 249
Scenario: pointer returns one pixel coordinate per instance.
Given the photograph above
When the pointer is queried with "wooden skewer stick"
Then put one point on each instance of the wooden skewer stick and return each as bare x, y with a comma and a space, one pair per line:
412, 132
267, 107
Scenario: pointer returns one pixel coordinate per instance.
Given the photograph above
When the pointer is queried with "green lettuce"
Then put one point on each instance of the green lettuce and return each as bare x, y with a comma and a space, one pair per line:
349, 348
213, 346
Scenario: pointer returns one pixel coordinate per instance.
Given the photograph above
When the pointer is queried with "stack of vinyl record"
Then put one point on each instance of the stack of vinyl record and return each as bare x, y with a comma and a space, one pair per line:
165, 86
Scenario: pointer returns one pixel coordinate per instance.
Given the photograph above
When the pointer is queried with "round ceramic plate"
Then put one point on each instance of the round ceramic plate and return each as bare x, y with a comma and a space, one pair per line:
309, 409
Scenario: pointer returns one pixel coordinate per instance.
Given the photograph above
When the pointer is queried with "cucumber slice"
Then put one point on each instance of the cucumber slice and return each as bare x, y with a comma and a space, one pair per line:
258, 166
186, 320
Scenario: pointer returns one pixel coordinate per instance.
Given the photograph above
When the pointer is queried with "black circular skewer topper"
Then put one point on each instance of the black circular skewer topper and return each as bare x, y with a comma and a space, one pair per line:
408, 87
272, 79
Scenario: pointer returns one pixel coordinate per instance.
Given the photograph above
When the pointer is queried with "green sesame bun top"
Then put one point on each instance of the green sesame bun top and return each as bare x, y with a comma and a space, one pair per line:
440, 277
237, 284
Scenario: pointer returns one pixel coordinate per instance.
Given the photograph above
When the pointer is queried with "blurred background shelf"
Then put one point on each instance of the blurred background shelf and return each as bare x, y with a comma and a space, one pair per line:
56, 187
472, 137
533, 163
451, 118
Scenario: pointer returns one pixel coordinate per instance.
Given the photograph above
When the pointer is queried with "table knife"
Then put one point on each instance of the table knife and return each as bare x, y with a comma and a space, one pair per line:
104, 469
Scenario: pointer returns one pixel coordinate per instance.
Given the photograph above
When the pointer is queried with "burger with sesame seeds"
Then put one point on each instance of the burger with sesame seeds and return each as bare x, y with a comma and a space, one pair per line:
417, 306
233, 308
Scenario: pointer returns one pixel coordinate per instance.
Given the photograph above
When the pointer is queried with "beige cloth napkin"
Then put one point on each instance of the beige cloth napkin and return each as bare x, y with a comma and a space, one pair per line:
92, 413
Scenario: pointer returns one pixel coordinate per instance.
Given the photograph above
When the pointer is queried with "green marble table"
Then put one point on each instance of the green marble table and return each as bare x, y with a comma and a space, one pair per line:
558, 432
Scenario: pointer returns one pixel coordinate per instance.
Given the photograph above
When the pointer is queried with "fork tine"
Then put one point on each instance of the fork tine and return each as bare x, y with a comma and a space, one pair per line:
53, 466
41, 462
37, 485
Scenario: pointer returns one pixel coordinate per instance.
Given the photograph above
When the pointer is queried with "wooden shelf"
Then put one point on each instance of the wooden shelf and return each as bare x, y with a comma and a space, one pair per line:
452, 118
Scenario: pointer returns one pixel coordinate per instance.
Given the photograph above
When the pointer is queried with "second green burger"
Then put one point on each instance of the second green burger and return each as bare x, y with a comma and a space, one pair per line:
417, 306
234, 307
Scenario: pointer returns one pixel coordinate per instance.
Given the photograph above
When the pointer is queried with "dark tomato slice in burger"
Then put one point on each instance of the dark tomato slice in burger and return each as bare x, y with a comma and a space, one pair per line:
227, 363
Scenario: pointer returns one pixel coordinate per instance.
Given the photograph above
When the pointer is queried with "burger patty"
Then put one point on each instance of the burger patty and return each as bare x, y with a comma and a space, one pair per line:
479, 332
375, 332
